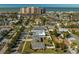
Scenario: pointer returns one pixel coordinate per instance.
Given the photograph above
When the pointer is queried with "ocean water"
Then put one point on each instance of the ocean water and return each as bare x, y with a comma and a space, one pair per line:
47, 9
62, 9
9, 9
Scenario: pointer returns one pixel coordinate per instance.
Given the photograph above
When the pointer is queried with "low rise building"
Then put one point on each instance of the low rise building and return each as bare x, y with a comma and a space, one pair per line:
38, 33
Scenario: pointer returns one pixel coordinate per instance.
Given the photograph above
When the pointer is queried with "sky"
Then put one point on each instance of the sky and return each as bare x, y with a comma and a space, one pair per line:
39, 5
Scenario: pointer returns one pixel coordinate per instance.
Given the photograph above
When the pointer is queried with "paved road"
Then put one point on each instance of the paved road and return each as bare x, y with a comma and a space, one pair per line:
21, 38
3, 49
71, 50
77, 38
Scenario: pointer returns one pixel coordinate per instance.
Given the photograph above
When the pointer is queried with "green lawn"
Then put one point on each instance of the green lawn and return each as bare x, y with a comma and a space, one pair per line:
46, 51
76, 33
27, 48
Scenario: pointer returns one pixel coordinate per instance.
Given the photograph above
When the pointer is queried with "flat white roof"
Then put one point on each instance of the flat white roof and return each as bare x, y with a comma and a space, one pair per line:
38, 32
63, 29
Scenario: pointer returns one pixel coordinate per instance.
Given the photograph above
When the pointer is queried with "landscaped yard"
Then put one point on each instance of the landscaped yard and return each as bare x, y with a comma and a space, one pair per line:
76, 33
48, 41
